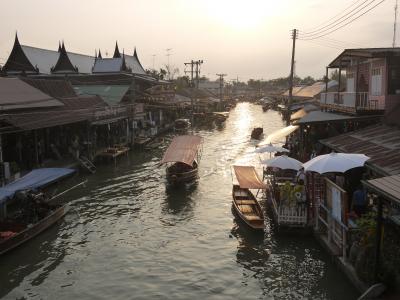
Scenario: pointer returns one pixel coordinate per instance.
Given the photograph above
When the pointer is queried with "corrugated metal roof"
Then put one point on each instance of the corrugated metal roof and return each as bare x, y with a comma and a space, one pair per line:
17, 94
76, 109
320, 116
54, 88
311, 91
387, 186
380, 142
344, 58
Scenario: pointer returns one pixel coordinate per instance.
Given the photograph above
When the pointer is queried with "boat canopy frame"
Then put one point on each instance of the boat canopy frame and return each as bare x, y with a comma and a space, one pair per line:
247, 178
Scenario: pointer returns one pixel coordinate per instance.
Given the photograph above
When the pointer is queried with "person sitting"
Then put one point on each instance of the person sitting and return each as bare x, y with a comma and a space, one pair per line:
359, 201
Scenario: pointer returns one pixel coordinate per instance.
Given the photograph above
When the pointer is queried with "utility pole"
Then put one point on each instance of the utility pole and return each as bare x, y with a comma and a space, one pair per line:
294, 37
168, 67
221, 86
194, 68
395, 25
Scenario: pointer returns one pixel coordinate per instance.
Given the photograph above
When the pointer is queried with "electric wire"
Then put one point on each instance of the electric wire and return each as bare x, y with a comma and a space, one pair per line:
340, 20
345, 24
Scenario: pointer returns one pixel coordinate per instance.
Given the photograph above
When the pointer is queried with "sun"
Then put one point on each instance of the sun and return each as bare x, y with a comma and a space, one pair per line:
240, 14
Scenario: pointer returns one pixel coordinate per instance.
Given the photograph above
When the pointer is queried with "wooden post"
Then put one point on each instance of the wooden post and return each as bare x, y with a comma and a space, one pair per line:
378, 239
356, 83
326, 84
339, 84
36, 147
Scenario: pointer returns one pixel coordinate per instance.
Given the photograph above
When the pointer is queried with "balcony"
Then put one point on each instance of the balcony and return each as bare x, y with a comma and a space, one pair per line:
350, 102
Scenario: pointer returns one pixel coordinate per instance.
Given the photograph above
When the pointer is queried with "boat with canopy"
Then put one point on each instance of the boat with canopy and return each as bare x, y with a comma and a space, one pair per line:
26, 210
182, 159
245, 203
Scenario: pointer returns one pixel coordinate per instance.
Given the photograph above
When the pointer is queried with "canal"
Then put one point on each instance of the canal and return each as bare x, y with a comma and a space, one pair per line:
128, 237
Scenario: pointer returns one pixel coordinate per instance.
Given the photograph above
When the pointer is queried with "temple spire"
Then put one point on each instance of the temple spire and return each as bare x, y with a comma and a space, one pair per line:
99, 54
17, 61
59, 46
117, 54
64, 64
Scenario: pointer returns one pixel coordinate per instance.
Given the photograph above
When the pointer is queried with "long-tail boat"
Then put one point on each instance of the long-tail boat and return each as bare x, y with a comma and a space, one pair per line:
26, 210
182, 159
244, 202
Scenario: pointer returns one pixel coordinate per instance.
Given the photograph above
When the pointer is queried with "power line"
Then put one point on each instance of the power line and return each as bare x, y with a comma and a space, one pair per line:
332, 18
343, 18
345, 24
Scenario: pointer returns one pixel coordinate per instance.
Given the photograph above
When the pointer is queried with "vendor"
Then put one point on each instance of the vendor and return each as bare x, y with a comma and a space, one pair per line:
359, 201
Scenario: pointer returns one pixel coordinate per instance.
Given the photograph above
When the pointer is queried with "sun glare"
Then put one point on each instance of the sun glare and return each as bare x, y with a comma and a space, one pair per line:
239, 14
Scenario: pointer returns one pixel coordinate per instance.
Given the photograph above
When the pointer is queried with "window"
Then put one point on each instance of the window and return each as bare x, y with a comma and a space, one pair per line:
376, 82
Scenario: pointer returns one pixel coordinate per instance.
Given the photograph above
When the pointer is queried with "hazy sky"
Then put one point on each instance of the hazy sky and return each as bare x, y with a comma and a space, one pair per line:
244, 38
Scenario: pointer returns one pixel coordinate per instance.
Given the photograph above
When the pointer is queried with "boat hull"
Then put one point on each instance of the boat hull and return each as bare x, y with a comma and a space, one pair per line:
29, 233
255, 220
177, 178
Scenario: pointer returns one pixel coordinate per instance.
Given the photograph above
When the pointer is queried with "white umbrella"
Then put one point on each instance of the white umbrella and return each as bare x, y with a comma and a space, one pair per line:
335, 162
270, 148
283, 162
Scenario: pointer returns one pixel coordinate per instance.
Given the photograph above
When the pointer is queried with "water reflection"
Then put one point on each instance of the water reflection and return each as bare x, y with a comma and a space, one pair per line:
49, 252
179, 201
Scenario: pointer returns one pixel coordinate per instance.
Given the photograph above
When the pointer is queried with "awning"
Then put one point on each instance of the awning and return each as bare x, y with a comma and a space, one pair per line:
388, 187
281, 133
320, 116
247, 178
183, 149
35, 179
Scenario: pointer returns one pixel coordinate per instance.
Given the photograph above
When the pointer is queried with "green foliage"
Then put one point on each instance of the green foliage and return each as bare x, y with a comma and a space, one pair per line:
367, 227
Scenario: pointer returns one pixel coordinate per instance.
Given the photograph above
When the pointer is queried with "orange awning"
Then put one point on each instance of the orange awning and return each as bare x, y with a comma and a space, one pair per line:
248, 178
183, 149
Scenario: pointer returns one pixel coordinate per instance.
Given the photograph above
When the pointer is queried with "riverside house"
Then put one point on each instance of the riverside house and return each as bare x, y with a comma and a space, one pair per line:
372, 81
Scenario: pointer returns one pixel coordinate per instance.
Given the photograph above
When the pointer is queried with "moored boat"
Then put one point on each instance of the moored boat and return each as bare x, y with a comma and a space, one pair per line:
244, 202
181, 125
286, 199
257, 133
25, 210
182, 159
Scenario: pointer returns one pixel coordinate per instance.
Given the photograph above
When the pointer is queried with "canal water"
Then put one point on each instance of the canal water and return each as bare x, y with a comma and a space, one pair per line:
128, 237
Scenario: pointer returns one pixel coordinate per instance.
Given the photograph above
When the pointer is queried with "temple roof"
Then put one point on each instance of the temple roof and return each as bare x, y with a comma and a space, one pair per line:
18, 62
110, 65
64, 64
117, 54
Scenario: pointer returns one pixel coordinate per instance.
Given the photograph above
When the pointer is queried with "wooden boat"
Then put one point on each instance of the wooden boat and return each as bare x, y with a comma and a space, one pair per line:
244, 203
181, 125
182, 159
25, 212
220, 117
257, 133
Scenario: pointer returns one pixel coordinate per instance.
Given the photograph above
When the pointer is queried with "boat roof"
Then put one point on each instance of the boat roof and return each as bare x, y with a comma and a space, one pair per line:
183, 149
37, 178
248, 178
